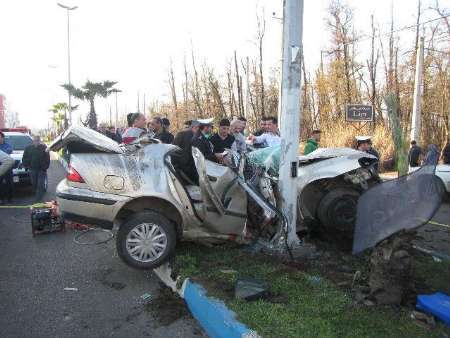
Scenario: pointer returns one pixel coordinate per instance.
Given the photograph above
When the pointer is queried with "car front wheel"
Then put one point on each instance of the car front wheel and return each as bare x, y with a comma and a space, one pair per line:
146, 241
337, 210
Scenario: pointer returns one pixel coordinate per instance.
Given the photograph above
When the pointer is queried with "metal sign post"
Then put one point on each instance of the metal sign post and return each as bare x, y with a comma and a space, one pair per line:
290, 113
360, 113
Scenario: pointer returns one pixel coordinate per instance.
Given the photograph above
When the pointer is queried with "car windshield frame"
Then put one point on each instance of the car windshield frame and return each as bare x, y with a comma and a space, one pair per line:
21, 145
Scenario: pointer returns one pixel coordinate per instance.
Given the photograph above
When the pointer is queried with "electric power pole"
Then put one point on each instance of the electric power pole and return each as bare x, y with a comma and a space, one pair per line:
416, 114
291, 112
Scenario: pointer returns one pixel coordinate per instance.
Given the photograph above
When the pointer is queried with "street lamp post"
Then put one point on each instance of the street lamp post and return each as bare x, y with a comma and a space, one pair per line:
68, 9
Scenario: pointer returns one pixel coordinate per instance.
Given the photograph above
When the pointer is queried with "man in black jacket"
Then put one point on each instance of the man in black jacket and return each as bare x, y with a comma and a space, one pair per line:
223, 140
201, 141
159, 127
414, 155
37, 159
183, 161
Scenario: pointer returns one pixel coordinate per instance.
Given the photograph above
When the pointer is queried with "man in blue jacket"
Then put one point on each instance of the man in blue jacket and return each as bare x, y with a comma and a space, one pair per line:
6, 181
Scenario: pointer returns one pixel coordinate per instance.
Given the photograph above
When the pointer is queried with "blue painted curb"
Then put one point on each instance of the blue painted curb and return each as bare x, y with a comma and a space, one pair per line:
213, 315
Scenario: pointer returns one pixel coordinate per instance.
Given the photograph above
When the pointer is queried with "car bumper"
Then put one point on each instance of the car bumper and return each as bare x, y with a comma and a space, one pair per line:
88, 207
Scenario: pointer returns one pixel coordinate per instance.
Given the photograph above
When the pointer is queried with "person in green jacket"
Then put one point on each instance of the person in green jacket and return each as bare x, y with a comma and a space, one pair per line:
313, 142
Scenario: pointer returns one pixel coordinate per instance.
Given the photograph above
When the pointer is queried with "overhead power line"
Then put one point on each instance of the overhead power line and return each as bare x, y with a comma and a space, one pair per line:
381, 35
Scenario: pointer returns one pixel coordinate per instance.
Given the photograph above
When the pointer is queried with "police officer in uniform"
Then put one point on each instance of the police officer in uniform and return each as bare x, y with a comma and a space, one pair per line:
364, 143
201, 141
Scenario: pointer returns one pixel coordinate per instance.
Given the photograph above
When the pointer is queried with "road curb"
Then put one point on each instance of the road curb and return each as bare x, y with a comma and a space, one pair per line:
213, 315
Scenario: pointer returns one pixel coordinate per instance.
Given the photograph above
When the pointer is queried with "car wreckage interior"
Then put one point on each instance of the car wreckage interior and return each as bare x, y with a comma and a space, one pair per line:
236, 200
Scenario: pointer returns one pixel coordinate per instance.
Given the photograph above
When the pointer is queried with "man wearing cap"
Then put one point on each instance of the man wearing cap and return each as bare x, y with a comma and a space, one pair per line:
184, 160
313, 142
364, 143
201, 141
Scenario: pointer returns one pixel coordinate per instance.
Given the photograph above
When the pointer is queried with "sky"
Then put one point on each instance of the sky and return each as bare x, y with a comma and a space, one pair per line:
133, 41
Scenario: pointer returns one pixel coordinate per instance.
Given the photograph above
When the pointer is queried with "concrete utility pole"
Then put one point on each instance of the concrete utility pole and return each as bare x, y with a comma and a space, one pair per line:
68, 9
418, 85
291, 112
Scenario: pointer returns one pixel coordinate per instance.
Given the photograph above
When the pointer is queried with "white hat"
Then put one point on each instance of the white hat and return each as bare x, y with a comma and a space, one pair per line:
205, 121
363, 138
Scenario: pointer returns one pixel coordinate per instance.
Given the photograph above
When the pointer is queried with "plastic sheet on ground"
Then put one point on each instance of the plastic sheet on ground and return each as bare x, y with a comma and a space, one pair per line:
399, 204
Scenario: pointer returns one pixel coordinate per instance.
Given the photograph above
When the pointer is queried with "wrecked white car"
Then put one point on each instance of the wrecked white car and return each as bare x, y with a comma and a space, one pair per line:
136, 189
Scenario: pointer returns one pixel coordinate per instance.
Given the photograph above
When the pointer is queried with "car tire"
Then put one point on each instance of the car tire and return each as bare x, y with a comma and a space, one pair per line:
149, 229
337, 211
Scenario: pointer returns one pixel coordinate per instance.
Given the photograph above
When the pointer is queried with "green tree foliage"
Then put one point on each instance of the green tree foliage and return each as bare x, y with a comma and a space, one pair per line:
60, 111
89, 92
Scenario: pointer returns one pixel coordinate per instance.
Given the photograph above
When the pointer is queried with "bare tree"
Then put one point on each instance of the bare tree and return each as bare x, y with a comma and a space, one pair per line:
240, 105
217, 97
443, 15
260, 32
195, 89
372, 68
185, 89
173, 91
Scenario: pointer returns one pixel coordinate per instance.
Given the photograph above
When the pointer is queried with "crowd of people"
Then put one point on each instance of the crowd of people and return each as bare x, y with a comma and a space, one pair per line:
200, 133
417, 156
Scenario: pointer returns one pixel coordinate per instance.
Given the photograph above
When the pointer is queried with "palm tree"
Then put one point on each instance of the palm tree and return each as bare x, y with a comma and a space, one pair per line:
88, 92
59, 111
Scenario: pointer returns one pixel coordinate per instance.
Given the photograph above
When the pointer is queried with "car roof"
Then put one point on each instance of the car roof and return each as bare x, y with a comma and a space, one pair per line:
15, 133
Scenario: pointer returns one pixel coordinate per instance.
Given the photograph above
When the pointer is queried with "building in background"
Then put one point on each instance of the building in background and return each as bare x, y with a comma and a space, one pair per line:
11, 119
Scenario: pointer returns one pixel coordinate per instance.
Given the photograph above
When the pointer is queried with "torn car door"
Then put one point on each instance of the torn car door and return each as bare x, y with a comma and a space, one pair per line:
224, 201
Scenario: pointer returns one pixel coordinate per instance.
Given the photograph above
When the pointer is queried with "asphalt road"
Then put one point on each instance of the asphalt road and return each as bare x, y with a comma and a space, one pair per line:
35, 271
436, 235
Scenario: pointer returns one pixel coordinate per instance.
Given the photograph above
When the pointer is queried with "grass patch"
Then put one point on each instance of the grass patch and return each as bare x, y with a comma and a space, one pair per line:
300, 305
432, 276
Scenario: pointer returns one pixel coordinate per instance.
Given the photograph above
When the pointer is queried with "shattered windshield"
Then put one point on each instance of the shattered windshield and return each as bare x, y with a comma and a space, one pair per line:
267, 158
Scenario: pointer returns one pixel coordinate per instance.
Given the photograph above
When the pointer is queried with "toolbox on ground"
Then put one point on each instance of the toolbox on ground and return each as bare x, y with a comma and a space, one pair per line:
45, 219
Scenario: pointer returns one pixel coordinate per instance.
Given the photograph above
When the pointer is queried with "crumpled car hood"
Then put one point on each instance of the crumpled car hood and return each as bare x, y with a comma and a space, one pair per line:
322, 153
86, 136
